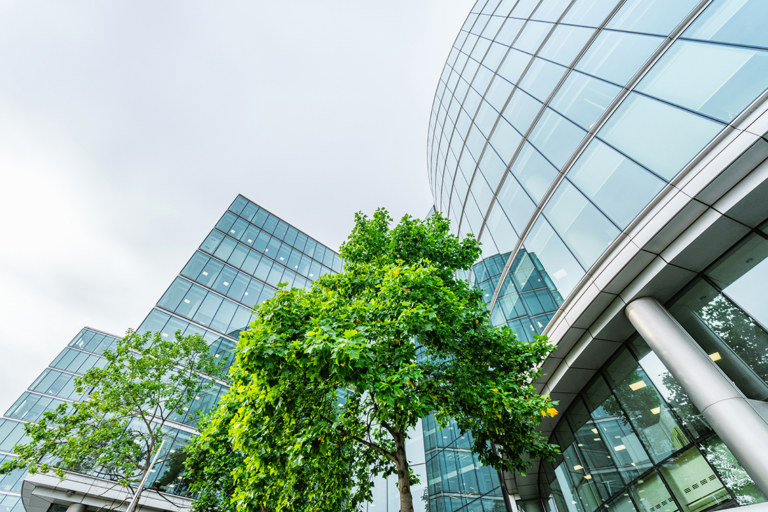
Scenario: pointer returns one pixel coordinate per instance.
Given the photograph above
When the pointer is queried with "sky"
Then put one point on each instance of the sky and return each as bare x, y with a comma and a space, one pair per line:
127, 129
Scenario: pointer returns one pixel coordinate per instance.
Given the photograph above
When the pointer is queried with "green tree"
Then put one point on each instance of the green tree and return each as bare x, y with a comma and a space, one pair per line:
327, 382
121, 423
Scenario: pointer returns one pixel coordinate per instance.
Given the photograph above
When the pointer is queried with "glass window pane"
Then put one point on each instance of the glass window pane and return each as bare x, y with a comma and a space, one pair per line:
208, 309
516, 203
521, 110
226, 222
714, 80
514, 64
533, 171
225, 248
617, 185
617, 56
736, 343
251, 232
223, 316
740, 273
238, 286
193, 299
732, 21
210, 272
557, 260
195, 265
556, 137
238, 255
693, 481
669, 388
565, 43
651, 16
550, 10
249, 211
252, 292
224, 280
212, 242
505, 140
590, 13
662, 435
583, 99
651, 495
582, 226
238, 204
733, 475
174, 294
532, 35
541, 78
661, 137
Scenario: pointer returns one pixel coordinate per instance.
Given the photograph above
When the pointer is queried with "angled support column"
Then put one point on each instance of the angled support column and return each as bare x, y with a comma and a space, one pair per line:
743, 430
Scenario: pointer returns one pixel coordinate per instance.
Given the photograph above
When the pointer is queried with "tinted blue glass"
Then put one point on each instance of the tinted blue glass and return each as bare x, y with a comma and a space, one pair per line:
225, 248
583, 228
583, 99
521, 110
533, 172
212, 242
617, 56
617, 185
661, 137
505, 140
732, 21
550, 10
193, 299
565, 43
492, 168
207, 309
509, 30
557, 260
226, 222
223, 316
514, 65
541, 78
532, 35
249, 211
501, 228
238, 255
238, 204
195, 265
524, 8
556, 137
651, 16
715, 80
493, 58
590, 13
175, 293
498, 93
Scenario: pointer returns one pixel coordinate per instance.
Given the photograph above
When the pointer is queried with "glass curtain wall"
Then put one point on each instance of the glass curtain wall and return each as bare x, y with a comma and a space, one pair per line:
633, 441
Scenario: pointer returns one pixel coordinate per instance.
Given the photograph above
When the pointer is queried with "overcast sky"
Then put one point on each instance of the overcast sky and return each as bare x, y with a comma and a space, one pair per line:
127, 128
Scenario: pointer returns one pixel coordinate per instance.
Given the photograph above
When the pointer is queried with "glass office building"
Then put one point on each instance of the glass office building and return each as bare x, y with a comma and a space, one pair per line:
610, 156
238, 265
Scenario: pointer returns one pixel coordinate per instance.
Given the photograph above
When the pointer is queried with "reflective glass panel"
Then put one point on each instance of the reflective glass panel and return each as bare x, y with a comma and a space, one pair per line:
617, 56
651, 495
556, 137
541, 78
651, 16
617, 185
514, 65
521, 110
516, 203
590, 13
693, 481
714, 80
556, 259
533, 171
585, 230
659, 136
732, 21
583, 99
735, 478
733, 340
659, 430
740, 273
565, 43
532, 35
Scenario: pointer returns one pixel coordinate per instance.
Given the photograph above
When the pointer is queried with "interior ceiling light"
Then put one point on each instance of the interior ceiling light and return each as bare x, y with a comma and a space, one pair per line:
656, 410
594, 431
577, 467
619, 448
637, 385
588, 477
715, 356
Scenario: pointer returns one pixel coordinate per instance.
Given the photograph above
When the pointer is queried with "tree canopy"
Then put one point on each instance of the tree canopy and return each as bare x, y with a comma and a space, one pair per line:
327, 382
122, 420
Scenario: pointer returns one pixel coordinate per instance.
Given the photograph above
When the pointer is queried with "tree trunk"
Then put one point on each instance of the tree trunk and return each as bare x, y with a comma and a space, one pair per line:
403, 474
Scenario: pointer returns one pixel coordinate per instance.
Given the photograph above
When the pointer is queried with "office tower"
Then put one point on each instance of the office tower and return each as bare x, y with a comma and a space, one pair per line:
238, 265
620, 145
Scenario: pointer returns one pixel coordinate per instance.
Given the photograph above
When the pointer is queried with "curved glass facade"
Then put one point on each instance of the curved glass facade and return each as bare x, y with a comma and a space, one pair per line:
556, 122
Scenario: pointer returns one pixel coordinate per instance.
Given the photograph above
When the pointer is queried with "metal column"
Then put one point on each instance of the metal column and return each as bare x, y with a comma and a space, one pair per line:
743, 430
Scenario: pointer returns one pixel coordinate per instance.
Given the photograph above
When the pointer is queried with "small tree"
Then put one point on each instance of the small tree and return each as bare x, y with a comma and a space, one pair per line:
328, 382
121, 423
